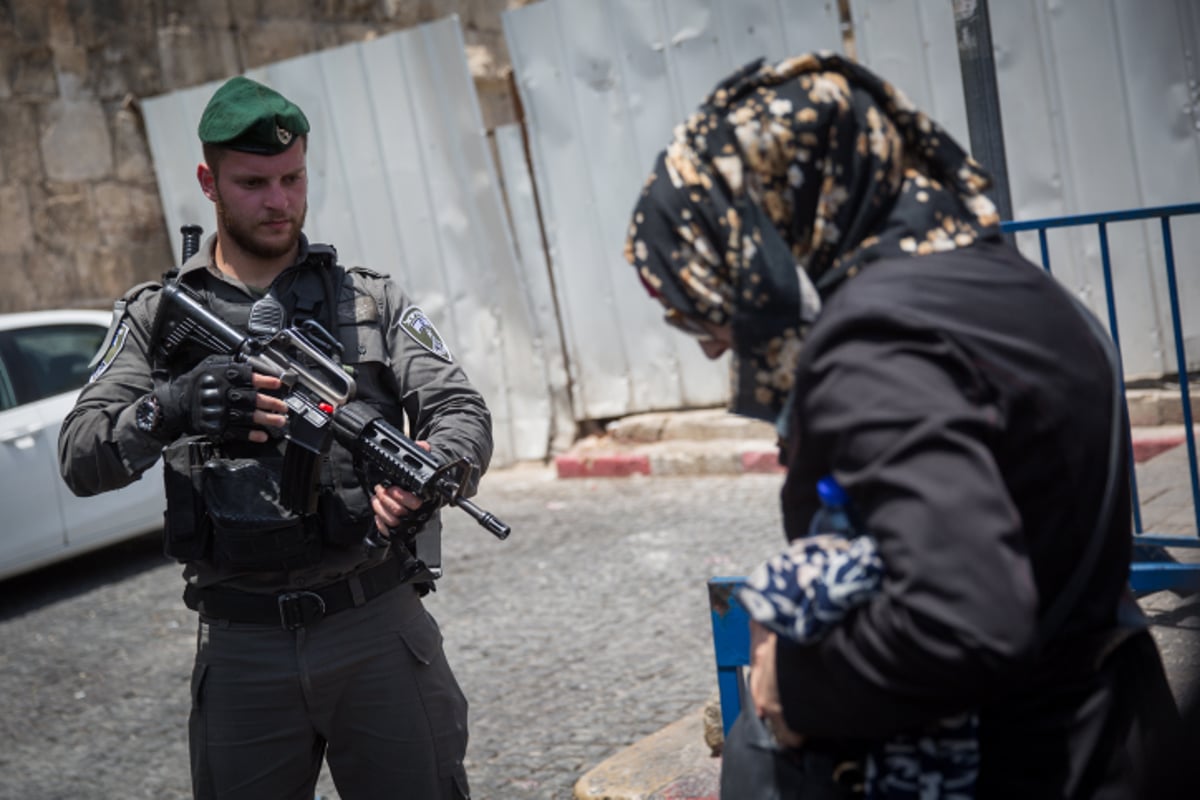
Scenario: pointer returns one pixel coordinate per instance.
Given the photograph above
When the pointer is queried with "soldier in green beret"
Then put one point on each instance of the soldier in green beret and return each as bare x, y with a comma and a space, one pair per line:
313, 639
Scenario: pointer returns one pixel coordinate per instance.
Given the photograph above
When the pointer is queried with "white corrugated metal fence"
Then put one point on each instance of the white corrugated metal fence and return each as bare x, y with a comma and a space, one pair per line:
1101, 111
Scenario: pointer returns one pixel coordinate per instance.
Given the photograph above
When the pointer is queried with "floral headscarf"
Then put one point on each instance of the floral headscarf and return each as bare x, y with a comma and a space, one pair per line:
791, 177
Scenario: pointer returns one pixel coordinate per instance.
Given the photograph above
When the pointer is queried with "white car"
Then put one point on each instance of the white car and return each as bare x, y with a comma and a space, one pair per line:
44, 357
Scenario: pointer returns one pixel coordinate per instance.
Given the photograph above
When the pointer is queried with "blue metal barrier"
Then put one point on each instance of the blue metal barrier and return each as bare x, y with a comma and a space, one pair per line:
730, 622
731, 642
1146, 574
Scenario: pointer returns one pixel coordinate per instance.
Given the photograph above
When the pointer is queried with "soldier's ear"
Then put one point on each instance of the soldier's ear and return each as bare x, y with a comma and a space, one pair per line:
208, 181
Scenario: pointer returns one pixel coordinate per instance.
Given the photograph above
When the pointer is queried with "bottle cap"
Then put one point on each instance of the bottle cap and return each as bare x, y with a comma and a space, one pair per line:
831, 492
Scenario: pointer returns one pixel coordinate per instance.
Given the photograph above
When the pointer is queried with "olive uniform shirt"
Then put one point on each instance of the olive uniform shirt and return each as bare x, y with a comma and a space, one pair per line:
101, 448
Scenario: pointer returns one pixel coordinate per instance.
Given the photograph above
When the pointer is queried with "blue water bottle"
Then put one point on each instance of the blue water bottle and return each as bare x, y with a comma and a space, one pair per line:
834, 514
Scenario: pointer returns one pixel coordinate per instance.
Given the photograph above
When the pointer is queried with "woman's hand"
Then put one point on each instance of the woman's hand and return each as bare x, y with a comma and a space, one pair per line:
764, 687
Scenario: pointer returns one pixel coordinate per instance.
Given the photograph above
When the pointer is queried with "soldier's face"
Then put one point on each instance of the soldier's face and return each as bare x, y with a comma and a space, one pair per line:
262, 200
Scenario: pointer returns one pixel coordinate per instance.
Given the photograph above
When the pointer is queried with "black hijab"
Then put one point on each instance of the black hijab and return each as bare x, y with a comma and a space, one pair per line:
786, 182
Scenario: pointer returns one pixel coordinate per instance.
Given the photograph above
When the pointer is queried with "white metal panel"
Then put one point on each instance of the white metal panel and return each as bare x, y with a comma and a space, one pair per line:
1084, 65
1160, 92
535, 280
912, 45
577, 115
603, 85
1097, 117
171, 123
401, 180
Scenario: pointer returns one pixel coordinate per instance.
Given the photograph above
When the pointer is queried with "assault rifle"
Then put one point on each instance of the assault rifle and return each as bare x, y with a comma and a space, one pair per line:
319, 396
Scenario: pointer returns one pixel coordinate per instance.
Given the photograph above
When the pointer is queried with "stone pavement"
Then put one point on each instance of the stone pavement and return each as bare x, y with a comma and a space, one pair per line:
681, 761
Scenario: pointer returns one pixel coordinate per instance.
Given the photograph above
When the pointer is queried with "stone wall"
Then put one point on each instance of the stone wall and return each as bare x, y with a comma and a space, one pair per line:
80, 218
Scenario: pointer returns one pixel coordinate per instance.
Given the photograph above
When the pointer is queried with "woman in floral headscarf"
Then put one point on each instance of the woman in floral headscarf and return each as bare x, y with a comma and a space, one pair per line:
838, 242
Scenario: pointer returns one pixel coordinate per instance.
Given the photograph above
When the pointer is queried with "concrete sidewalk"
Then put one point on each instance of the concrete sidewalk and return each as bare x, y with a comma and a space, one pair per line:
715, 442
682, 761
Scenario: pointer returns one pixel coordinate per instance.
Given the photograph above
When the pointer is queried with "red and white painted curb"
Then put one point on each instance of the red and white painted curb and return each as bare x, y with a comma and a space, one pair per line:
592, 462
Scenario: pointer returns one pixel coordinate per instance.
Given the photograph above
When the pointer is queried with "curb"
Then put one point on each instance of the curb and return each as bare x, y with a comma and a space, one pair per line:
611, 456
673, 763
1149, 442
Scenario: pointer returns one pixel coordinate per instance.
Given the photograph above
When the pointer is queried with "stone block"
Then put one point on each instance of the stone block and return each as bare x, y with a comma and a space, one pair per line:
19, 153
125, 212
112, 270
245, 14
57, 280
408, 12
693, 458
16, 227
210, 13
1143, 408
191, 54
657, 766
33, 76
71, 69
264, 42
119, 50
329, 36
638, 428
483, 16
64, 220
17, 278
716, 424
1170, 405
496, 104
75, 141
348, 11
130, 150
6, 68
29, 18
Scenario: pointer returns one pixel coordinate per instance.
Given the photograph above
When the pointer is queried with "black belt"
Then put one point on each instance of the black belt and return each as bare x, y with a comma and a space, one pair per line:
298, 608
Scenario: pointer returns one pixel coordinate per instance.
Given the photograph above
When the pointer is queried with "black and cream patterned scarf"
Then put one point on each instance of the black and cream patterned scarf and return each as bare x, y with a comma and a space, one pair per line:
786, 182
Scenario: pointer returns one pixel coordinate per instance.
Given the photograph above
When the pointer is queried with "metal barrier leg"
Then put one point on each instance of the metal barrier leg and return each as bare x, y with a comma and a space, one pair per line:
731, 643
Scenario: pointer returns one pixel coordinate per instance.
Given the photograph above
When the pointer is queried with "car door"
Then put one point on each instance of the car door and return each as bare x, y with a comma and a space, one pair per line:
61, 355
54, 362
33, 528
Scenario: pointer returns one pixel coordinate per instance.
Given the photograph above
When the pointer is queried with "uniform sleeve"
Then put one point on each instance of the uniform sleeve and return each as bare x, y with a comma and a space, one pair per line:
441, 404
99, 446
897, 415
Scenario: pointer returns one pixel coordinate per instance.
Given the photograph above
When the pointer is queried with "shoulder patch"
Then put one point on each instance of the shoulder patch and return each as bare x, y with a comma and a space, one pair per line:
118, 318
420, 329
112, 346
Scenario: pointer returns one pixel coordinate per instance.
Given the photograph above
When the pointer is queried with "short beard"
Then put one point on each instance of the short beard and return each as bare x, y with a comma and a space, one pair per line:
243, 235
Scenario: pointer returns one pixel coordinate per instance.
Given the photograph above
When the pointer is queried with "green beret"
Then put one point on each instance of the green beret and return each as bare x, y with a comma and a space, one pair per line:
245, 115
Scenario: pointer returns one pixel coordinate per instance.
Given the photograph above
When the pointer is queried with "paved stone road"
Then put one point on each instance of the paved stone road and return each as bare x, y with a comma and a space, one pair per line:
549, 632
588, 629
585, 631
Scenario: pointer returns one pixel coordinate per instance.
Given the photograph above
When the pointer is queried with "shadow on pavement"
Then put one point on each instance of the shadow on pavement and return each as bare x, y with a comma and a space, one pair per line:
51, 584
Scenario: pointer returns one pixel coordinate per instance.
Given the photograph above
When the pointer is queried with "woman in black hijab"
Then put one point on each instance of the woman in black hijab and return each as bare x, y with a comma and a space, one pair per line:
838, 242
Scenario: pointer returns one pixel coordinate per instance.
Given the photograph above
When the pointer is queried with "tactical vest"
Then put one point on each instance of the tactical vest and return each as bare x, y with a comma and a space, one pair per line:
225, 500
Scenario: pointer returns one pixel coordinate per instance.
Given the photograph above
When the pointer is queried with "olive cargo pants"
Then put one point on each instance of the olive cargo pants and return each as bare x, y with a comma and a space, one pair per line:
368, 688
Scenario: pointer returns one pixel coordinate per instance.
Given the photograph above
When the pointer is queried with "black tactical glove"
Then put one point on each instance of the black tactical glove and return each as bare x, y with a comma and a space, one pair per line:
215, 399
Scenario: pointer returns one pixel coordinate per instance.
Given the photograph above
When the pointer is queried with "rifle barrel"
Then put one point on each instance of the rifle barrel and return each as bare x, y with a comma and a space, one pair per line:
485, 518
